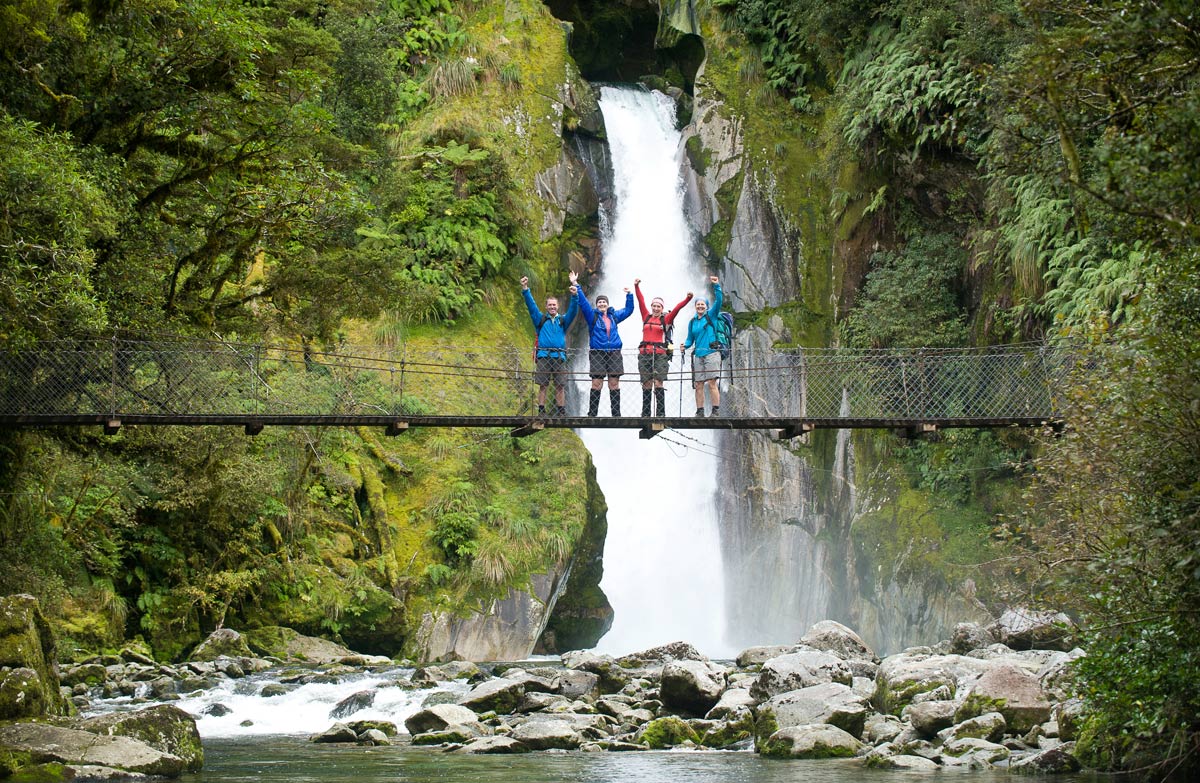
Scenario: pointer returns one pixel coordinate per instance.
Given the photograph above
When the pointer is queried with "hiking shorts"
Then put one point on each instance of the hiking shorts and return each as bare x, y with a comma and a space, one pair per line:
605, 364
706, 368
548, 367
653, 366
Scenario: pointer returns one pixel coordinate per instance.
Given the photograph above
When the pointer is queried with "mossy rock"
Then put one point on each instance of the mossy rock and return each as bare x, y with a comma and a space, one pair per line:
668, 732
31, 687
165, 728
730, 732
51, 772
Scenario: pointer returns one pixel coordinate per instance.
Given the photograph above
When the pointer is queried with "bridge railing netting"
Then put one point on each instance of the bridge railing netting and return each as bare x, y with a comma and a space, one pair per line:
177, 377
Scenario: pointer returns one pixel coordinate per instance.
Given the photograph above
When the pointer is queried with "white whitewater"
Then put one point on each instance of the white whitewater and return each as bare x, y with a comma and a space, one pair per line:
662, 557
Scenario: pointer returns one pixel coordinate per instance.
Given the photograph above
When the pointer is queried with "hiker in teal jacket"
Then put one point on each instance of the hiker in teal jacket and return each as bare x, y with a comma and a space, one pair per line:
604, 358
550, 361
704, 340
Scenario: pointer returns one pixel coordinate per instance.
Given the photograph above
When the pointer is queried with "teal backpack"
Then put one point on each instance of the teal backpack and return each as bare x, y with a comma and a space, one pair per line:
723, 328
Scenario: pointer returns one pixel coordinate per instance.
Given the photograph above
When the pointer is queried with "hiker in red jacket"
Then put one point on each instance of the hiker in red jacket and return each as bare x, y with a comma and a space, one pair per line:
654, 351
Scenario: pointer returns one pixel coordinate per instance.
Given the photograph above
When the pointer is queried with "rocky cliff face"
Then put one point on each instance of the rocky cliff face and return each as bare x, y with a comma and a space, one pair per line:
788, 508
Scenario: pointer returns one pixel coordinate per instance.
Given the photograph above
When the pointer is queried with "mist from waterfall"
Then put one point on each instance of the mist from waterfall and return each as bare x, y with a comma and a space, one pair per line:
662, 557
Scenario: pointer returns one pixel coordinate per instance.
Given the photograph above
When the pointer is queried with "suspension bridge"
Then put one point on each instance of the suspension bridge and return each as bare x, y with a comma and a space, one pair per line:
117, 381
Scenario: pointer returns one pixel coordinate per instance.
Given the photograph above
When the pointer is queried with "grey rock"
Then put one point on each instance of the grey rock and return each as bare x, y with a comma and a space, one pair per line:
577, 684
930, 717
756, 656
732, 700
830, 702
353, 703
690, 686
46, 743
833, 637
906, 763
990, 752
1022, 629
438, 717
338, 732
1014, 693
221, 642
990, 726
493, 745
968, 637
547, 735
816, 741
500, 695
879, 729
164, 727
799, 670
1048, 762
374, 737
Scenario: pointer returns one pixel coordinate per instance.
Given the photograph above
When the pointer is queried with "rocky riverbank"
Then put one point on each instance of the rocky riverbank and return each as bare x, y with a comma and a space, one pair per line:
992, 696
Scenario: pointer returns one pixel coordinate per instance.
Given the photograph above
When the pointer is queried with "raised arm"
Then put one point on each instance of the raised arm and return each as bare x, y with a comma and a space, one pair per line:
585, 306
535, 314
627, 310
637, 289
718, 296
675, 311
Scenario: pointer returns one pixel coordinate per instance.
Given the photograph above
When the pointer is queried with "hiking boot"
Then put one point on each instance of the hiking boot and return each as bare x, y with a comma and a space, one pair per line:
541, 410
594, 403
660, 402
699, 413
716, 411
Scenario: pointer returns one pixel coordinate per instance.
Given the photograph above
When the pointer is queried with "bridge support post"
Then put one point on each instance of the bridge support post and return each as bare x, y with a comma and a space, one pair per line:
918, 430
253, 427
650, 430
395, 428
111, 426
528, 429
794, 430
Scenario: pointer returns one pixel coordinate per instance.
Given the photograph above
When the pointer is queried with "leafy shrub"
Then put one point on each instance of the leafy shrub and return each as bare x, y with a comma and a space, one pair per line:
908, 298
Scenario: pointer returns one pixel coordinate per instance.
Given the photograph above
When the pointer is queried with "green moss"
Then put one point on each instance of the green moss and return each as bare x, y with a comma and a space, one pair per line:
730, 732
51, 772
975, 705
764, 726
668, 732
698, 156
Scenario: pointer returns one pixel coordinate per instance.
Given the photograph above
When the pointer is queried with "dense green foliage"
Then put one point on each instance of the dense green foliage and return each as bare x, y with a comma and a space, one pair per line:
284, 171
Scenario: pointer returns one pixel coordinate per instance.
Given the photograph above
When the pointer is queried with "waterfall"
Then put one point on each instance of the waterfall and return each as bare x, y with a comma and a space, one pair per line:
662, 558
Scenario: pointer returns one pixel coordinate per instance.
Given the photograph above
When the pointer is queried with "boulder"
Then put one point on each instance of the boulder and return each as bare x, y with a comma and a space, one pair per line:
731, 701
818, 741
829, 702
691, 687
1014, 693
1057, 674
1069, 717
533, 683
290, 645
353, 703
52, 744
968, 637
223, 642
1026, 629
903, 676
900, 761
656, 656
833, 637
879, 728
547, 735
494, 745
373, 737
1048, 762
164, 727
456, 734
990, 726
756, 656
438, 717
989, 752
338, 732
930, 717
799, 670
577, 684
500, 695
29, 685
667, 732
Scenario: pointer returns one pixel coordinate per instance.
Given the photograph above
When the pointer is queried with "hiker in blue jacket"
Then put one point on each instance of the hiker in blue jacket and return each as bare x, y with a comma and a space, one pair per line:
703, 338
550, 362
604, 358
